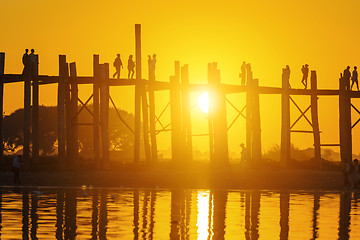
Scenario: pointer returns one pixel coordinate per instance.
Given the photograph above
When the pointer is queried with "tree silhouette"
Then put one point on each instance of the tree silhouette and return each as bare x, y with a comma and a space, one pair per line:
120, 137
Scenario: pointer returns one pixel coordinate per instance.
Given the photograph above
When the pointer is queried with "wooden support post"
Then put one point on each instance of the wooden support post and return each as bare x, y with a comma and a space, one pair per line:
152, 119
256, 124
96, 111
35, 112
145, 114
2, 71
27, 116
74, 146
285, 121
211, 112
68, 130
175, 106
137, 93
61, 110
186, 113
315, 118
220, 124
104, 113
249, 116
345, 122
218, 116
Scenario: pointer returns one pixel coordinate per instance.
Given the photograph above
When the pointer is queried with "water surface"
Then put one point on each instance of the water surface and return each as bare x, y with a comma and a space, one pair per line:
99, 213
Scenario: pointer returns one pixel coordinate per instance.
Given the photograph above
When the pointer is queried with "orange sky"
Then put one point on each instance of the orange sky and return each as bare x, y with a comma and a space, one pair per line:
268, 34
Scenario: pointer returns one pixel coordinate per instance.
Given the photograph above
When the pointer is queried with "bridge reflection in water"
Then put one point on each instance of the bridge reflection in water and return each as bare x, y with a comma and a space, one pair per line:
177, 214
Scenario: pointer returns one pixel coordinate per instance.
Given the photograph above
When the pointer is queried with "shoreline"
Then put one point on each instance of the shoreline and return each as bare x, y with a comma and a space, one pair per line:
249, 179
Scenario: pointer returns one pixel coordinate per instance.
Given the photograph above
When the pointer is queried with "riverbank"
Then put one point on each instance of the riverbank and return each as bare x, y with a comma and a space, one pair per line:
269, 179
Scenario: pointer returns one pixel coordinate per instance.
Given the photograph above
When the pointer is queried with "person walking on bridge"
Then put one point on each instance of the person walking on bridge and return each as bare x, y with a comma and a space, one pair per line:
131, 67
305, 72
354, 78
118, 65
346, 78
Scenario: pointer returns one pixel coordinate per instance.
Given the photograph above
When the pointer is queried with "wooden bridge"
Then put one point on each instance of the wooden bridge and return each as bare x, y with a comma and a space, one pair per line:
181, 134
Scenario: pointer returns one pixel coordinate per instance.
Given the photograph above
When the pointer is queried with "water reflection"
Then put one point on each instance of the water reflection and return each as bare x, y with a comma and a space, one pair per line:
178, 214
344, 218
284, 215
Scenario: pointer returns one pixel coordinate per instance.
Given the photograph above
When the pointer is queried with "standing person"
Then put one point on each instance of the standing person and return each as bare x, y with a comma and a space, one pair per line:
242, 75
32, 62
243, 155
287, 74
354, 78
117, 64
356, 175
131, 67
25, 61
16, 169
346, 77
305, 72
347, 174
153, 64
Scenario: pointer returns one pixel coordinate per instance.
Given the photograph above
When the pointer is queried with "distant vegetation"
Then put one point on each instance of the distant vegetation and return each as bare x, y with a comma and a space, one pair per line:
120, 137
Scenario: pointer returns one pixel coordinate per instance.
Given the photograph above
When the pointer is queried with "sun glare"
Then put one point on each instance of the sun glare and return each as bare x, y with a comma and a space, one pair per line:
203, 102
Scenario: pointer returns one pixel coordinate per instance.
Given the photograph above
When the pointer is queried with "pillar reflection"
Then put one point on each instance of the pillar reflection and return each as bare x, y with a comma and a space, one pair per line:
136, 214
315, 228
59, 214
103, 215
247, 215
146, 201
284, 215
0, 212
180, 214
70, 214
152, 214
25, 215
219, 214
94, 215
344, 217
255, 210
34, 215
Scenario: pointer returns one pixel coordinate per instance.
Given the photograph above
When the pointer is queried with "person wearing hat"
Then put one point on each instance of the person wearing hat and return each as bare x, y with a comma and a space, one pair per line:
243, 155
305, 71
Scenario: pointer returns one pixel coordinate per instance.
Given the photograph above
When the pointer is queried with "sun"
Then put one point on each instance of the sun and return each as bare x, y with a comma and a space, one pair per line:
203, 102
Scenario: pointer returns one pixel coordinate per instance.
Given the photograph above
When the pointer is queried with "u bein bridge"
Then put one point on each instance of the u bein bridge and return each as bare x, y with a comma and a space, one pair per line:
68, 109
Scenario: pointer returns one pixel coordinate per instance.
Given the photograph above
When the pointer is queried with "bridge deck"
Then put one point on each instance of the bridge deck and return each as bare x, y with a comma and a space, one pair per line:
158, 85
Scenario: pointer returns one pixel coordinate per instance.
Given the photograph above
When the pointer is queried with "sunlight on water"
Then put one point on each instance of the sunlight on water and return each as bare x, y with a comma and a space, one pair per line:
177, 214
203, 215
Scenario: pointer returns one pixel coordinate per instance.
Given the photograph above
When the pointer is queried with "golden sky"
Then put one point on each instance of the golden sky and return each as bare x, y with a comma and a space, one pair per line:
268, 34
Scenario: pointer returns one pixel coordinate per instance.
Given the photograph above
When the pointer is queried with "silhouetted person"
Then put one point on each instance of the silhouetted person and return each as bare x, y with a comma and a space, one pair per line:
305, 72
16, 169
347, 174
242, 74
118, 65
25, 61
131, 67
346, 78
243, 155
149, 67
248, 72
287, 74
32, 62
356, 175
153, 65
354, 78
